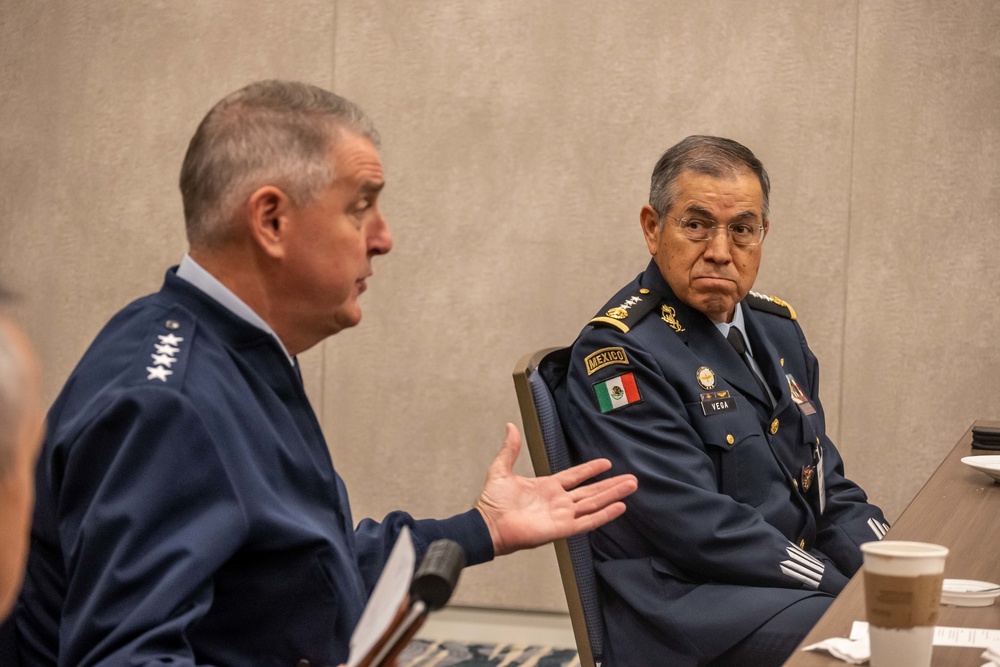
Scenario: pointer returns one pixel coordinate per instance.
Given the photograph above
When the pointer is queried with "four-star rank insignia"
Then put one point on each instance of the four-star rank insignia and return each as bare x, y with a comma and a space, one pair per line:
626, 313
165, 352
620, 312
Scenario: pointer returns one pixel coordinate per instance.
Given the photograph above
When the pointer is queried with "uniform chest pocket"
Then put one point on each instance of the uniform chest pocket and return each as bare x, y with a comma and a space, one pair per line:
744, 464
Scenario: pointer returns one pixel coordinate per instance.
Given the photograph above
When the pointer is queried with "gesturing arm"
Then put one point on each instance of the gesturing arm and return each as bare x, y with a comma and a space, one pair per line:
526, 512
517, 512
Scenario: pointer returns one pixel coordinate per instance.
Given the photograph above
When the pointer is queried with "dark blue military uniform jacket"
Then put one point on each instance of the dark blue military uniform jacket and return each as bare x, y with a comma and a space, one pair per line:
726, 528
188, 511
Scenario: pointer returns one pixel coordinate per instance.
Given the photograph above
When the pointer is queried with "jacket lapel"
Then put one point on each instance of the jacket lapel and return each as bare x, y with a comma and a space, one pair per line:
768, 360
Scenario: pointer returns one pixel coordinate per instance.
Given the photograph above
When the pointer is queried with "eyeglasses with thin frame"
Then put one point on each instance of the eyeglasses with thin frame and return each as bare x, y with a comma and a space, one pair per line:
741, 233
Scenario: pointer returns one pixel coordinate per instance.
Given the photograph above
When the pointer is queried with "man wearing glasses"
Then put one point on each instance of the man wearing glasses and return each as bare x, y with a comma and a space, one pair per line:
744, 527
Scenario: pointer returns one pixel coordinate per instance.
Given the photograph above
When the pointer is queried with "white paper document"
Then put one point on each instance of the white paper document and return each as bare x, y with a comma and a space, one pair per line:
945, 636
387, 599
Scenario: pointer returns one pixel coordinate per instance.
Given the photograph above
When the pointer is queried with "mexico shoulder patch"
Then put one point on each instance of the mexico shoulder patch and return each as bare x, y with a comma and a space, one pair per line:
617, 392
606, 356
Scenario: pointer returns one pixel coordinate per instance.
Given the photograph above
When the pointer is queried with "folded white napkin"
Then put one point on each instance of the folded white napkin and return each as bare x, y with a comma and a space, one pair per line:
853, 651
992, 654
857, 651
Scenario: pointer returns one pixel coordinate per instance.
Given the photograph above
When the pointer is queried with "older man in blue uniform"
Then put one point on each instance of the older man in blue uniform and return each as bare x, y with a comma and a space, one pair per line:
188, 512
744, 526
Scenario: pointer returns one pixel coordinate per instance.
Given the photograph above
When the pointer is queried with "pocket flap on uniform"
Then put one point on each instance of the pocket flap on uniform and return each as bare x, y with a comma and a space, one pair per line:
725, 429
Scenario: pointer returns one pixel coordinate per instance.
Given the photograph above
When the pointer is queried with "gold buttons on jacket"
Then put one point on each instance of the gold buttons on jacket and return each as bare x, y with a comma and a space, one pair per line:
730, 439
774, 427
802, 544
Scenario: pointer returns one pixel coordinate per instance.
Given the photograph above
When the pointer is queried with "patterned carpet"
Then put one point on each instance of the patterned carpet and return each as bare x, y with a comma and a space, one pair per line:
424, 653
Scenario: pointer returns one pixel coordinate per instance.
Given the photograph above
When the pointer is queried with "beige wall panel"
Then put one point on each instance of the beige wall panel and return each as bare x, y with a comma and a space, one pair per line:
518, 141
923, 309
99, 101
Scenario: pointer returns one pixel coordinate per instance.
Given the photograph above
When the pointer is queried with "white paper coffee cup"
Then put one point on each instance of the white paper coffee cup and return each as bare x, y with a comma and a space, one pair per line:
902, 597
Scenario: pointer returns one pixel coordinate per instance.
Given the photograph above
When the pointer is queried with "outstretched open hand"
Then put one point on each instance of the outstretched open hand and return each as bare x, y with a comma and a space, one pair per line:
526, 512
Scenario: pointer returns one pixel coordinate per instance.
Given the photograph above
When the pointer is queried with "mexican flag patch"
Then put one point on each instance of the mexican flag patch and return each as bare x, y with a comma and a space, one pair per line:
617, 392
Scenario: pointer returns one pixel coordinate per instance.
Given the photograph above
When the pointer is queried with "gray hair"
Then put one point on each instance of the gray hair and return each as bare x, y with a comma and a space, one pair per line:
712, 156
268, 133
14, 377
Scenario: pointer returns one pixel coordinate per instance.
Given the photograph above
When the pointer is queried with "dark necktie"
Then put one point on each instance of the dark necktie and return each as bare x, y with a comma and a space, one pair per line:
735, 338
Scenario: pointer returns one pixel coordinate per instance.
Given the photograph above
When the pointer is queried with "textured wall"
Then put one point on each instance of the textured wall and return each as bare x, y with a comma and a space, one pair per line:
518, 139
920, 357
99, 100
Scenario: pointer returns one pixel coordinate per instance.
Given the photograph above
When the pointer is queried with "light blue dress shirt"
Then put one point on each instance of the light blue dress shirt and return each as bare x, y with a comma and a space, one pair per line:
193, 273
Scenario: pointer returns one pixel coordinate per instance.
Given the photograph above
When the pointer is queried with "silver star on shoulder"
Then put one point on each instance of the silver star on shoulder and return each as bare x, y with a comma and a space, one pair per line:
158, 372
167, 349
170, 339
162, 360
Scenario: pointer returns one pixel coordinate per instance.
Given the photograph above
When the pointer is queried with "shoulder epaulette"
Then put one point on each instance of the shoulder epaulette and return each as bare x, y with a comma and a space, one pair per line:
163, 355
626, 314
769, 304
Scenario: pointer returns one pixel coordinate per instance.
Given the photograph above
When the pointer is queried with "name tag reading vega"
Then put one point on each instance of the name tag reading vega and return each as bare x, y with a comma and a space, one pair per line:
716, 402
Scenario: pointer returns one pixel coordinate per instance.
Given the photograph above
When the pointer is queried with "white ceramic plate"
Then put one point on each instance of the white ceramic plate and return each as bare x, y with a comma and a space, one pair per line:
968, 593
988, 464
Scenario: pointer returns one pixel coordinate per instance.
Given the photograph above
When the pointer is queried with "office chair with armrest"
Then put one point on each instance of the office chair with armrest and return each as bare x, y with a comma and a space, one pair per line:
549, 454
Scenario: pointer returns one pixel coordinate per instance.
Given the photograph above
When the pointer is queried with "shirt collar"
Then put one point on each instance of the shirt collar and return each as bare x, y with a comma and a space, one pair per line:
737, 322
193, 273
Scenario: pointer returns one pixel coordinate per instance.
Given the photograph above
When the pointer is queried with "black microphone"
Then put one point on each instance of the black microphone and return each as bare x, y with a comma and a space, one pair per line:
436, 578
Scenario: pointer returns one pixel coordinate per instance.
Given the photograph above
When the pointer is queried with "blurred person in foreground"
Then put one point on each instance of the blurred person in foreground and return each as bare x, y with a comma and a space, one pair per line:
21, 429
188, 510
744, 527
